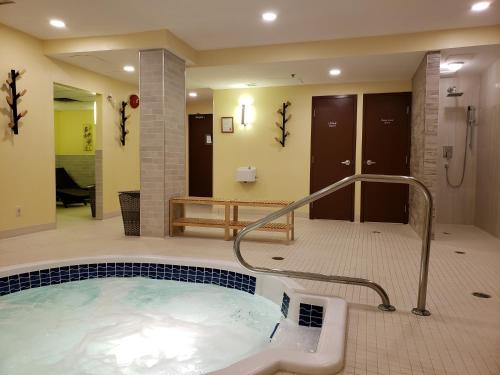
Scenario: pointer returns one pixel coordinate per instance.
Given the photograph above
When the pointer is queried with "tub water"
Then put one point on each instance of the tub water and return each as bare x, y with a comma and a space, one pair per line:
131, 326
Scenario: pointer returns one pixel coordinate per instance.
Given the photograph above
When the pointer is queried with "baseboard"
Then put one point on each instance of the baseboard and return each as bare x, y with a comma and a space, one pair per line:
109, 215
26, 230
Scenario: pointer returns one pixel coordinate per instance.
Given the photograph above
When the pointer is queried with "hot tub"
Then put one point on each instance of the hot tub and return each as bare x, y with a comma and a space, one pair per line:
159, 315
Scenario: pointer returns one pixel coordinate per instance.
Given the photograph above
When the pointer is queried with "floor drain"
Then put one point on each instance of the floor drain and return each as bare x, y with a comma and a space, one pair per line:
376, 231
278, 258
481, 295
460, 252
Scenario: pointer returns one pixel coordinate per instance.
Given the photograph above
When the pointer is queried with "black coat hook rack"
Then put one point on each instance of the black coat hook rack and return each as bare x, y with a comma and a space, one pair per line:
13, 97
282, 125
123, 119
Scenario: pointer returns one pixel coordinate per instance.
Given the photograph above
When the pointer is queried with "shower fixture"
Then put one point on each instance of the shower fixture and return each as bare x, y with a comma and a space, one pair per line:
471, 122
453, 92
448, 150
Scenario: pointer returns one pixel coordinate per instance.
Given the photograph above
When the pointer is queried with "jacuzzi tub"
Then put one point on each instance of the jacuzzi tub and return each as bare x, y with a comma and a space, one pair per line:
299, 308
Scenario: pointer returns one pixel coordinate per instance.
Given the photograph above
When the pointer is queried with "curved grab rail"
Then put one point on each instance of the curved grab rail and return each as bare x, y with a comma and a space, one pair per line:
391, 179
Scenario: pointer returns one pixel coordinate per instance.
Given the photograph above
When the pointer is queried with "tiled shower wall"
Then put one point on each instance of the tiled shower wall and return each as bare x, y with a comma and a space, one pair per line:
457, 205
80, 167
487, 213
425, 107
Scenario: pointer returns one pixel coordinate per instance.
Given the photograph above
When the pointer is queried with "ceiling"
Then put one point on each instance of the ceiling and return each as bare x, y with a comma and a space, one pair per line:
204, 95
81, 99
109, 63
475, 59
354, 69
235, 23
395, 67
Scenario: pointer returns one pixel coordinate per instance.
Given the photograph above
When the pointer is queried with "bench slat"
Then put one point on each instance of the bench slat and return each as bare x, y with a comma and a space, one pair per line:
191, 221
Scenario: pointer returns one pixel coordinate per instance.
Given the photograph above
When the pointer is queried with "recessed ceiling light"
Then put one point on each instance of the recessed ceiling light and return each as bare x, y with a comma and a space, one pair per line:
443, 69
57, 23
335, 72
480, 6
453, 66
269, 16
129, 68
193, 94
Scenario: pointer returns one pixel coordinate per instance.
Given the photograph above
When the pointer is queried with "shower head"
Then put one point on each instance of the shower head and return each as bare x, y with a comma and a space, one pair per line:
453, 92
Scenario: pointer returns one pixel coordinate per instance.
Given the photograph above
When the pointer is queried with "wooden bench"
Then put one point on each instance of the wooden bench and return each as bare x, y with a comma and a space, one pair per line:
178, 220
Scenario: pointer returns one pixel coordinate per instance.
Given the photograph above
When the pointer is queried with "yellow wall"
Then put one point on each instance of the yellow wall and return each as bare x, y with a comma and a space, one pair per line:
27, 160
68, 127
283, 172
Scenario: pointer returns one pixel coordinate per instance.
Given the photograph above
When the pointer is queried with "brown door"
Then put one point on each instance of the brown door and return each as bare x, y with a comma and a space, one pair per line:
333, 143
200, 155
386, 150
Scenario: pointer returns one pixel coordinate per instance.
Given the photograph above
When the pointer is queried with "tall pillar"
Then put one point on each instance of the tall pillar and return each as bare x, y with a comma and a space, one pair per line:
162, 143
424, 132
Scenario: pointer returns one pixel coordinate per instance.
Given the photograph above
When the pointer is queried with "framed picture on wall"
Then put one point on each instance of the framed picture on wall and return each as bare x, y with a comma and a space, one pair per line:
227, 125
88, 135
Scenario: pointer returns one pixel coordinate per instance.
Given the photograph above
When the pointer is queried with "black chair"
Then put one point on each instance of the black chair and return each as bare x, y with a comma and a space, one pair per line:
68, 191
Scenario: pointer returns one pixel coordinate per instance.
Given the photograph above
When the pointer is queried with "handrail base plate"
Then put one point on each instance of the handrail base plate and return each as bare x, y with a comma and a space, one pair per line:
419, 312
389, 308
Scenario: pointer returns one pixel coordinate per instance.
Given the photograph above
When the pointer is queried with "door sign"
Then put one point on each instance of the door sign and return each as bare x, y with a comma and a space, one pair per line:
387, 121
332, 124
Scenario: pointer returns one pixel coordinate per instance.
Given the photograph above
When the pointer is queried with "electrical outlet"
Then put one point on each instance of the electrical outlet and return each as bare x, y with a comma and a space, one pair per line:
18, 211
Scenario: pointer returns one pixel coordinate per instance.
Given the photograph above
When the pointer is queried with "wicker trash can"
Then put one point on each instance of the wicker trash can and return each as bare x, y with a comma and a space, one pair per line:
130, 203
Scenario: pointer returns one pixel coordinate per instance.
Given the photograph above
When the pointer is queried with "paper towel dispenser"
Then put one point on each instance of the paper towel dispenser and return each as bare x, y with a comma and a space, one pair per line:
246, 174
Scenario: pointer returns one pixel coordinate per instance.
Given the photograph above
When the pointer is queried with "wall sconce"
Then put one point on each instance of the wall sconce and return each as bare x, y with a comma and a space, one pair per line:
245, 111
243, 115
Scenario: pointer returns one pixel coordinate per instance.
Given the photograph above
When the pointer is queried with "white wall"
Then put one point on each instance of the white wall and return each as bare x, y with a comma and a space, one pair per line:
456, 205
487, 214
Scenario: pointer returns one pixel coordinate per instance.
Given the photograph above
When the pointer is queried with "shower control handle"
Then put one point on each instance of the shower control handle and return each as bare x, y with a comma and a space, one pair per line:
346, 162
370, 162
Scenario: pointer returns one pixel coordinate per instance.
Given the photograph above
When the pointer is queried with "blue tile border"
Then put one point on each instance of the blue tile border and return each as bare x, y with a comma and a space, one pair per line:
285, 304
58, 275
310, 315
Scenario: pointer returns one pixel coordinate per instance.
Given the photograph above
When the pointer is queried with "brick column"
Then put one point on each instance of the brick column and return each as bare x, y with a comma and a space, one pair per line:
162, 144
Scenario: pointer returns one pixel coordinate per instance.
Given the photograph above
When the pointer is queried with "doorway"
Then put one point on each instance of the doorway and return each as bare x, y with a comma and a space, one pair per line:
200, 155
333, 154
386, 150
75, 113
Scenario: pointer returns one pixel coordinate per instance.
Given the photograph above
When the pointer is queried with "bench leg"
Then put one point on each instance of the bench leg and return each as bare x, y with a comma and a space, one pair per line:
293, 225
176, 211
235, 218
288, 228
227, 219
182, 213
171, 218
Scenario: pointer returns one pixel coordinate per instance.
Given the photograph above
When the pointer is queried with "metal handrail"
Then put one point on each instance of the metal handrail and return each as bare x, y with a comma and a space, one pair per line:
386, 305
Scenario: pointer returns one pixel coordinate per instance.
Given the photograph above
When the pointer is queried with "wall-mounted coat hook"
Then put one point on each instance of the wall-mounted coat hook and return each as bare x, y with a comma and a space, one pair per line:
123, 119
282, 125
13, 97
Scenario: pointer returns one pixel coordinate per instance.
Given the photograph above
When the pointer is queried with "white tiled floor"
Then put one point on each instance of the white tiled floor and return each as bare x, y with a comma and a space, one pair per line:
461, 337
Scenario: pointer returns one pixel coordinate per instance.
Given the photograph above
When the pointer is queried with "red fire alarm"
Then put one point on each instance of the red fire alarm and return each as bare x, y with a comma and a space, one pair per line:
134, 101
